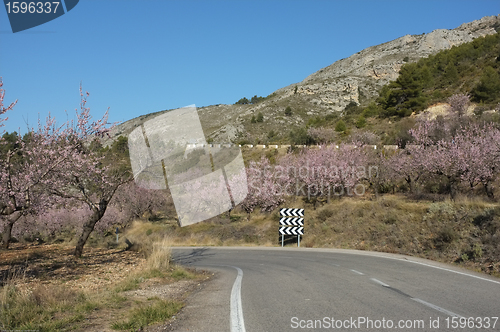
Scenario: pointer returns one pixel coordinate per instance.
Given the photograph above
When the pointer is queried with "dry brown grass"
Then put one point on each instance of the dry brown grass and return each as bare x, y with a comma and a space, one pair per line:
49, 307
45, 289
159, 258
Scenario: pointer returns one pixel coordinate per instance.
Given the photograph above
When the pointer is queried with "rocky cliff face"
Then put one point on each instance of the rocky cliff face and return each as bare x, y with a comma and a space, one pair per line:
375, 66
356, 78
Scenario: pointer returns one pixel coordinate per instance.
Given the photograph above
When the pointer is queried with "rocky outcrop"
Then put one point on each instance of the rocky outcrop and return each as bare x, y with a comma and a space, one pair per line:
330, 89
375, 66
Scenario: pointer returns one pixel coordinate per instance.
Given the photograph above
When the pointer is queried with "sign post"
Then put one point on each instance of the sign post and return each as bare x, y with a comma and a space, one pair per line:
291, 223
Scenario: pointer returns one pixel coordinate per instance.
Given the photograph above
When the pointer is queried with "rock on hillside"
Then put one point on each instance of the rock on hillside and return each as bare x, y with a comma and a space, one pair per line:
373, 67
356, 78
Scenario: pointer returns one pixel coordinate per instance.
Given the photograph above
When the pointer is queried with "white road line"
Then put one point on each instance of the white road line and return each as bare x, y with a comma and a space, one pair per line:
435, 307
380, 282
357, 272
449, 270
237, 322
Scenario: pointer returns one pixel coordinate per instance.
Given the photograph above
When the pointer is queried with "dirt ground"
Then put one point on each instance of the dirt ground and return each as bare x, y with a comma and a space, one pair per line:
98, 270
55, 264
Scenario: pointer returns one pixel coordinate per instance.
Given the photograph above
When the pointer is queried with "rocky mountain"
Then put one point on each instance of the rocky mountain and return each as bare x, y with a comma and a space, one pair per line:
356, 78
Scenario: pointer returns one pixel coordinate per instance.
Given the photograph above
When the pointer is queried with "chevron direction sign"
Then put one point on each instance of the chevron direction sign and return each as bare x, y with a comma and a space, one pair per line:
291, 222
292, 212
287, 221
292, 230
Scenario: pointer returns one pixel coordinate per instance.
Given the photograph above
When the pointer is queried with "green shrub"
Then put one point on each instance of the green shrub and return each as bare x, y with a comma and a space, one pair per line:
260, 117
300, 137
371, 110
488, 88
361, 122
242, 101
352, 108
256, 99
340, 126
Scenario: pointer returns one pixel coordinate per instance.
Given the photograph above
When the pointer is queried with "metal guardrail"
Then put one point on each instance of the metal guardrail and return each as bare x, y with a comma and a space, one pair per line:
285, 146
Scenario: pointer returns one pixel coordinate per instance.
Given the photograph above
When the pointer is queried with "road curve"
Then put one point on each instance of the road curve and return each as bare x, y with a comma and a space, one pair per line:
307, 289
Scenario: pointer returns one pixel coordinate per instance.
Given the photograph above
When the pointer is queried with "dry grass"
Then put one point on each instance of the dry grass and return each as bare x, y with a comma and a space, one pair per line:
47, 304
159, 258
144, 315
42, 307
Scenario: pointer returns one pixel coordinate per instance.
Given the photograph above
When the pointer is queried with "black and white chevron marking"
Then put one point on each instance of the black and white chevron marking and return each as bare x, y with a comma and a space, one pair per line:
291, 212
287, 221
292, 230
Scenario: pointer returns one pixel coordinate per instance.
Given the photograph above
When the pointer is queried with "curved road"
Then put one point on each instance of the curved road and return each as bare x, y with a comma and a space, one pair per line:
295, 289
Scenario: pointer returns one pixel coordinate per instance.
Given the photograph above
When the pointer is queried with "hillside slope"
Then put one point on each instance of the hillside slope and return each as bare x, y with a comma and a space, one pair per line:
357, 78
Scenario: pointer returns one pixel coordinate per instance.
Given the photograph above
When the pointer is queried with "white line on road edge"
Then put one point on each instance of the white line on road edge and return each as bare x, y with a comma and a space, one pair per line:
357, 272
449, 270
380, 282
435, 307
237, 322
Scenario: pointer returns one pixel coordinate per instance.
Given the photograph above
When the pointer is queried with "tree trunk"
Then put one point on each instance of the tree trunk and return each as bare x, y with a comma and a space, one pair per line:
7, 230
375, 185
6, 236
410, 184
88, 227
488, 189
453, 188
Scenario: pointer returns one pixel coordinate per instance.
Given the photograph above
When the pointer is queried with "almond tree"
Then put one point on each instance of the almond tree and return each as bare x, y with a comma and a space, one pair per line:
85, 173
443, 157
251, 201
471, 154
458, 104
10, 209
326, 171
25, 165
267, 186
53, 164
404, 164
481, 145
134, 201
3, 109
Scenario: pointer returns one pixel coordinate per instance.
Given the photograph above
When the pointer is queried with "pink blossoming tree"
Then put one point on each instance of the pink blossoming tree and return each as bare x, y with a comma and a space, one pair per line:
59, 164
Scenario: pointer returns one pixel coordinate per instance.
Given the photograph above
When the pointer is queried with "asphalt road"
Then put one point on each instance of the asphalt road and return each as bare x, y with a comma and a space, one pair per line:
291, 289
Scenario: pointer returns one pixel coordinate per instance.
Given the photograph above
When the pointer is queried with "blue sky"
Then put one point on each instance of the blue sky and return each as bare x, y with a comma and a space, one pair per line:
143, 56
